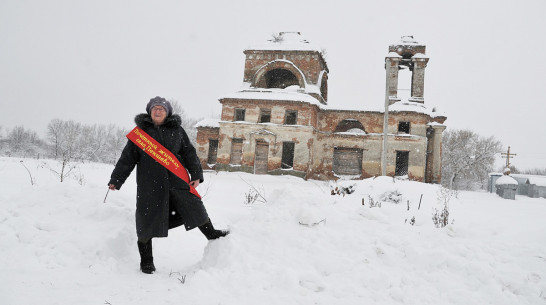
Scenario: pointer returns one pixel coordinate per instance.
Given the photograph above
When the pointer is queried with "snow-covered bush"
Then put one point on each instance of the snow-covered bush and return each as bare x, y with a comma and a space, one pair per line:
467, 159
342, 190
391, 196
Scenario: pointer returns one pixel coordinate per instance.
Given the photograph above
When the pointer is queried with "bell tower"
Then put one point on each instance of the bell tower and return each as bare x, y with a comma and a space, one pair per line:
407, 54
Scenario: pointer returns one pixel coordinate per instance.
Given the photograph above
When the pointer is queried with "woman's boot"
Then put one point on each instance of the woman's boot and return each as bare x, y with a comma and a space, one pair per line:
146, 257
210, 233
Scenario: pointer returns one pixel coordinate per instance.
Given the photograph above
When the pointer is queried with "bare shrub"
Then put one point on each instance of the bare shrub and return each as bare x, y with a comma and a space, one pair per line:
440, 217
372, 203
32, 181
254, 195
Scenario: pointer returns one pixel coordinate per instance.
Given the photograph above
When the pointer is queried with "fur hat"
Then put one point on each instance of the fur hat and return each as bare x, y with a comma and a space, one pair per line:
159, 101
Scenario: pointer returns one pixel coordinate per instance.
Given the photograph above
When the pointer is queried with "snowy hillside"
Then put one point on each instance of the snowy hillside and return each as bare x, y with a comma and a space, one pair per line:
60, 244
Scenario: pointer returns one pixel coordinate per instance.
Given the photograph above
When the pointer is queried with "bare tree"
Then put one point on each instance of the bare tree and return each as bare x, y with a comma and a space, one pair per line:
24, 142
74, 141
116, 140
3, 141
54, 131
535, 171
188, 122
93, 142
67, 137
467, 159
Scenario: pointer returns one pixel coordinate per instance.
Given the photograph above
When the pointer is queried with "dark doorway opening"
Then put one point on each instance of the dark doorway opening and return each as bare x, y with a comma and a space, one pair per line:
402, 162
260, 159
213, 151
287, 160
236, 151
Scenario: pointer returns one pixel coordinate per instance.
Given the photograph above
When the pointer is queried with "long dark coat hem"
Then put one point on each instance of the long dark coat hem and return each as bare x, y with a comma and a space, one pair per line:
163, 199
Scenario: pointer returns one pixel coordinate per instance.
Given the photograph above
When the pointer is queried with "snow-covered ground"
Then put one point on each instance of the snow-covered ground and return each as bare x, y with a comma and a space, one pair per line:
60, 244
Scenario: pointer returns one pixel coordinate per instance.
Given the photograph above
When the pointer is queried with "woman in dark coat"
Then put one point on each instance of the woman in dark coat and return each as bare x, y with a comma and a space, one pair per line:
164, 200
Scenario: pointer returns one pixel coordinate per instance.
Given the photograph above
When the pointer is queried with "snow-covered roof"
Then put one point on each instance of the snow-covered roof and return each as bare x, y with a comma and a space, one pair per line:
214, 123
420, 55
393, 54
285, 41
533, 179
353, 131
415, 107
435, 124
289, 94
506, 180
396, 107
537, 180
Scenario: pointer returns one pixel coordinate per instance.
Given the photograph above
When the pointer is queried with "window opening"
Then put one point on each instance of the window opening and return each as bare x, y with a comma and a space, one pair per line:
349, 125
347, 161
291, 117
280, 78
404, 127
239, 114
265, 116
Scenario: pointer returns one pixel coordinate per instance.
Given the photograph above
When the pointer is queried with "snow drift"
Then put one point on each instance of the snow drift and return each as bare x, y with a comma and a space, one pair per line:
60, 244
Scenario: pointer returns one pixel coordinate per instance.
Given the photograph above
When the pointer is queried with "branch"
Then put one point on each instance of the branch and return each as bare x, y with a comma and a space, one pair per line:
252, 186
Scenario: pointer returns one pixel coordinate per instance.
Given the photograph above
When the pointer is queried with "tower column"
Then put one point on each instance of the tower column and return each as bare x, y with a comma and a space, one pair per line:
418, 78
391, 96
436, 153
391, 66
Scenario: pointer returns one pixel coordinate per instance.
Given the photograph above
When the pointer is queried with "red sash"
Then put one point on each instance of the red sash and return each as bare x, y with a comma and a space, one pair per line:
160, 154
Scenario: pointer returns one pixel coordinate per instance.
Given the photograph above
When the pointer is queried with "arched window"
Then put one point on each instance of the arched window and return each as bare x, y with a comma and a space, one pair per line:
324, 87
350, 125
280, 78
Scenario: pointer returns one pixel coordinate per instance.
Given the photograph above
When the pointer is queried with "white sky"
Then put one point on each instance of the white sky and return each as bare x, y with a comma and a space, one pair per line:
101, 61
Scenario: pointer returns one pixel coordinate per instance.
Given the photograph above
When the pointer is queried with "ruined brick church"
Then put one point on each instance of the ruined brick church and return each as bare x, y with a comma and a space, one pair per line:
280, 121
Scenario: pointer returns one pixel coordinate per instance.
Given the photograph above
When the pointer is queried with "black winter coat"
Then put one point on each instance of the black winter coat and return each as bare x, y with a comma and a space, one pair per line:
163, 199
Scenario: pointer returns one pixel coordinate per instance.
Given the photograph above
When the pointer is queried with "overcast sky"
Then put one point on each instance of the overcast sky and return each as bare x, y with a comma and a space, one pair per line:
101, 61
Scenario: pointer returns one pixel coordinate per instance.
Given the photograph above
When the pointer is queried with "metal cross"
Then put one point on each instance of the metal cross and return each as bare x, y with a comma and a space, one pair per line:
508, 155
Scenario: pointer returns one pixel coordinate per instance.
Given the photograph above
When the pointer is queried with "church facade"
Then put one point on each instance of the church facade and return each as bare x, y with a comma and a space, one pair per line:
280, 122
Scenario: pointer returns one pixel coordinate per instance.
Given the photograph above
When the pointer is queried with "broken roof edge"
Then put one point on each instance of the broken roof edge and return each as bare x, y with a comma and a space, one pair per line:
407, 40
285, 41
420, 55
208, 123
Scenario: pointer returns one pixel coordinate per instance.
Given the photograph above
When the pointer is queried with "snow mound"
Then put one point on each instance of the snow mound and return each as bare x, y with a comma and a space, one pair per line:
303, 245
506, 180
